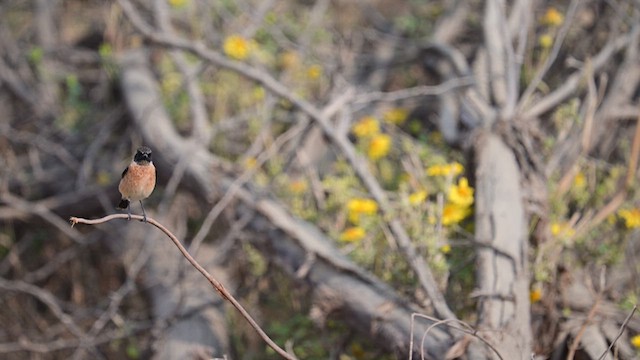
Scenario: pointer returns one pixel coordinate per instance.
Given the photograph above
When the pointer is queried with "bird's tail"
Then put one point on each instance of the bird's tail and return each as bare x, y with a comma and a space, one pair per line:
124, 203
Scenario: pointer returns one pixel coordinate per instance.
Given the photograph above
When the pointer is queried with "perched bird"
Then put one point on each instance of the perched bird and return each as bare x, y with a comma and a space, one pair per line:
138, 180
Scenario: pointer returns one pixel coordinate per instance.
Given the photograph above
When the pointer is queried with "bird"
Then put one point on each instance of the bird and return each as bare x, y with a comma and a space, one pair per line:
138, 181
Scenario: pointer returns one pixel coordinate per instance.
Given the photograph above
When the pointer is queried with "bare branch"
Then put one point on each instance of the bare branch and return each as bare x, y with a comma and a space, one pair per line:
417, 91
201, 130
572, 82
43, 212
215, 283
622, 328
48, 299
533, 85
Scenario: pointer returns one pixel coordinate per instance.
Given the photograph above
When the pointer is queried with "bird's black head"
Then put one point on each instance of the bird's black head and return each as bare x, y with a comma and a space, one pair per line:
143, 155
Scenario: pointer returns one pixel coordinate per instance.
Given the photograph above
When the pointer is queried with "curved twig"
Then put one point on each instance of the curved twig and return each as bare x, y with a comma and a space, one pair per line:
622, 327
466, 328
215, 283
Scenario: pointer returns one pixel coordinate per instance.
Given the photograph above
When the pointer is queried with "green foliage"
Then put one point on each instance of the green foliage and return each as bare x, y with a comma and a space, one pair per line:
133, 351
36, 55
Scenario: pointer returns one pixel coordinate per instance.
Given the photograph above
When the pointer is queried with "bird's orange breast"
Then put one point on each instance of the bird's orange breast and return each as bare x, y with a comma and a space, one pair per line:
138, 183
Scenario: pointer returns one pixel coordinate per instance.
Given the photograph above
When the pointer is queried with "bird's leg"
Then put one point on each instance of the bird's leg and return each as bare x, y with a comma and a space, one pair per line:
129, 211
144, 215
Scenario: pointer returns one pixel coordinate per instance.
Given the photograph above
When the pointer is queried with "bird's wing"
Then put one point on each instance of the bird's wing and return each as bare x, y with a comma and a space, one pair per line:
124, 172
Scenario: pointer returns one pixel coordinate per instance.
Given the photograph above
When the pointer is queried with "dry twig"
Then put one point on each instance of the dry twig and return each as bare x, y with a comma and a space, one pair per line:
215, 283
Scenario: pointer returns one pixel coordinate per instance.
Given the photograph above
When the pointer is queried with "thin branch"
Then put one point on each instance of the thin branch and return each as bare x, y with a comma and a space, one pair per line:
215, 283
466, 328
48, 299
572, 83
417, 91
590, 316
619, 198
622, 327
237, 184
44, 213
562, 33
24, 344
117, 297
201, 130
499, 51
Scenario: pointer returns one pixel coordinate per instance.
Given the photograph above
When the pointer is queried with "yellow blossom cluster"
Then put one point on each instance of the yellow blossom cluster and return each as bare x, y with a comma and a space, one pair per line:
552, 19
635, 341
396, 116
378, 144
452, 169
178, 3
535, 295
459, 202
459, 196
358, 207
445, 249
366, 127
314, 72
237, 47
291, 62
298, 186
417, 197
562, 230
352, 234
631, 217
580, 180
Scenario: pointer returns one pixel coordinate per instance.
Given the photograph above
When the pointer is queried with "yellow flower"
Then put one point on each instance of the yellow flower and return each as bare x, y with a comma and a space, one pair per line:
461, 194
177, 3
314, 72
454, 169
298, 186
417, 197
250, 163
366, 127
545, 41
553, 17
352, 234
635, 341
562, 230
379, 146
579, 181
289, 60
445, 249
258, 93
631, 218
435, 170
453, 214
237, 47
357, 207
395, 116
535, 295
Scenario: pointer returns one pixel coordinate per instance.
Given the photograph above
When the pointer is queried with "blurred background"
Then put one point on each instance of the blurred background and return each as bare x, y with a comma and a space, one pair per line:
329, 162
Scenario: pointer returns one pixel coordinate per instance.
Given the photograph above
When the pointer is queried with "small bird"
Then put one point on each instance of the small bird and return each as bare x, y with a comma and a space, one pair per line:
138, 180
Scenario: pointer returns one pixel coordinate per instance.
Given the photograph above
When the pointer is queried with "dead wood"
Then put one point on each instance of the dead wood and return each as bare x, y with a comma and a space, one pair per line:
503, 279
